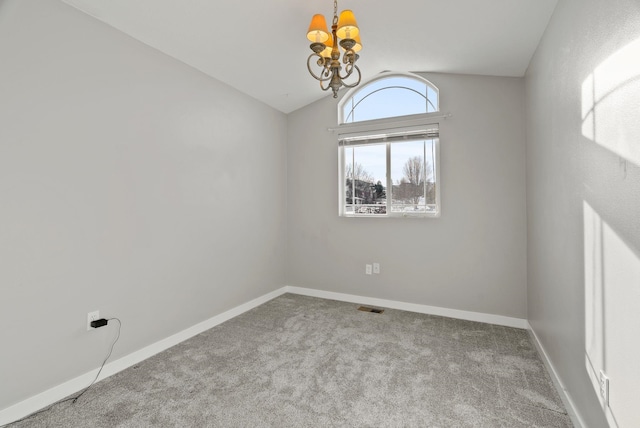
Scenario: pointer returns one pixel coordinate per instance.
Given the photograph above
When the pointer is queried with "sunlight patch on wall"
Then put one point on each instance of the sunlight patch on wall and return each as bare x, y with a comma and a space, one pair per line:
612, 319
594, 289
610, 99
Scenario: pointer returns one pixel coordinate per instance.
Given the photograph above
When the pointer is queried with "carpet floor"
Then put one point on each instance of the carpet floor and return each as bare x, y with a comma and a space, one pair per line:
299, 361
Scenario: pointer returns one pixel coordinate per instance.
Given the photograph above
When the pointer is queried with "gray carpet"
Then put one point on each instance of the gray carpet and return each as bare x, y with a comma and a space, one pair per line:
306, 362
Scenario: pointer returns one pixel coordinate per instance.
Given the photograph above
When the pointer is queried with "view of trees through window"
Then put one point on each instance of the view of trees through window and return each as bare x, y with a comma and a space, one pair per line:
412, 178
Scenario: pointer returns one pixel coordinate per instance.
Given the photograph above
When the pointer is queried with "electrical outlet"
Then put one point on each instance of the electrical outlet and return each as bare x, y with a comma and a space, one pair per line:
376, 268
367, 269
604, 387
92, 316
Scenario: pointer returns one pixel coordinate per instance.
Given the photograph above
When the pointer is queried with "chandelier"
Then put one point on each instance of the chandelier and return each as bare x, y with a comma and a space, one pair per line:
325, 48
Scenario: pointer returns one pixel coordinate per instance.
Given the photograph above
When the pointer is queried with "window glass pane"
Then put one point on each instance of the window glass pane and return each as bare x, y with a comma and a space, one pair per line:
413, 177
365, 179
390, 97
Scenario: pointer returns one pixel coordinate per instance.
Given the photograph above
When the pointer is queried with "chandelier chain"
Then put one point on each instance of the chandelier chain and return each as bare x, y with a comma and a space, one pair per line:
335, 12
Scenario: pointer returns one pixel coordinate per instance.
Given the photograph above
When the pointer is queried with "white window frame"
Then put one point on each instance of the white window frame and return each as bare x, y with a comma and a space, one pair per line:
395, 126
389, 126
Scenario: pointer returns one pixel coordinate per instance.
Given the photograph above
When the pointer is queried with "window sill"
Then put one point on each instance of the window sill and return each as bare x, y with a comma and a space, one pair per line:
394, 215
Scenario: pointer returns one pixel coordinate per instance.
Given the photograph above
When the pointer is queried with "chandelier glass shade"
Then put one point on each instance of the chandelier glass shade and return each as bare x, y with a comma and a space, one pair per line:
343, 41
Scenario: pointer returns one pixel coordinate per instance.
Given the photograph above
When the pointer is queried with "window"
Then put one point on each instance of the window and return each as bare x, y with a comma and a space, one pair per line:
390, 96
388, 149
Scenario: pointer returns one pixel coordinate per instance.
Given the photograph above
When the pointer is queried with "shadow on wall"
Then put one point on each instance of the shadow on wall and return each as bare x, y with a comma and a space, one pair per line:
611, 118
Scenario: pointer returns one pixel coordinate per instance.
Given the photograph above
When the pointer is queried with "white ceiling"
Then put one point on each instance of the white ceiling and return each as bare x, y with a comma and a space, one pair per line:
260, 46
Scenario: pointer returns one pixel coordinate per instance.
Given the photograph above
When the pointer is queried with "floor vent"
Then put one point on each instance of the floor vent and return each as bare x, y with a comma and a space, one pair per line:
368, 309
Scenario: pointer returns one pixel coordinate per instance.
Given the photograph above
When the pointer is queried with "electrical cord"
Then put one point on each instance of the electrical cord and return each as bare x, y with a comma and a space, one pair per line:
104, 362
74, 399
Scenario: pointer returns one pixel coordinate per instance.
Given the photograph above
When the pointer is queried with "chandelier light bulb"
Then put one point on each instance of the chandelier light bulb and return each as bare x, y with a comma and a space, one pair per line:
318, 32
347, 25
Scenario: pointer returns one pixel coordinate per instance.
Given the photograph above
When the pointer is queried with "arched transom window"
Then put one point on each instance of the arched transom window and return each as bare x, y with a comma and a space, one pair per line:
388, 148
392, 96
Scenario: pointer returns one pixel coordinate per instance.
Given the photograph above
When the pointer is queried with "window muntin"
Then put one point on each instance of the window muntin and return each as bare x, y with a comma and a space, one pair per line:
388, 164
392, 96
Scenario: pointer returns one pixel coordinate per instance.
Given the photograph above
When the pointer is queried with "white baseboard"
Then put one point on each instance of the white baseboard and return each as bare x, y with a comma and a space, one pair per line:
69, 387
412, 307
50, 396
562, 391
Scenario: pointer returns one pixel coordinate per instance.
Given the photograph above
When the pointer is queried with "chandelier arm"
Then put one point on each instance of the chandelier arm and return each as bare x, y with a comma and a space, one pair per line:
349, 56
348, 70
349, 59
322, 87
353, 85
319, 62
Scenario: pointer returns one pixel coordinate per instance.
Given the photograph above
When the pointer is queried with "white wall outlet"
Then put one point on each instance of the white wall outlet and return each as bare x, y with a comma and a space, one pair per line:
367, 269
376, 268
604, 387
92, 316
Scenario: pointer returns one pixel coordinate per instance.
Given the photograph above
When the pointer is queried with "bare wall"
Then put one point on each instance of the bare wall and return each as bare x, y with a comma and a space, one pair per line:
583, 203
471, 258
130, 184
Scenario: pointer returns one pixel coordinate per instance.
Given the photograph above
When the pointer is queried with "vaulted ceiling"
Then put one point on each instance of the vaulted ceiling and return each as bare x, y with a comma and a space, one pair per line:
260, 46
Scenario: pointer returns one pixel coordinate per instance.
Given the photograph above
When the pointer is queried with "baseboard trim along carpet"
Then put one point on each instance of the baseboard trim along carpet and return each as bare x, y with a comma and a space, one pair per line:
564, 394
67, 388
413, 307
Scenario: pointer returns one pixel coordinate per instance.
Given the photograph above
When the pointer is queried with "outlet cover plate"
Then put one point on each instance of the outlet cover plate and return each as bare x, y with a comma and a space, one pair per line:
604, 387
92, 316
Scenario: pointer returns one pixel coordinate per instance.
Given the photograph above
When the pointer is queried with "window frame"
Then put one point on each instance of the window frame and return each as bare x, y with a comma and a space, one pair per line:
389, 125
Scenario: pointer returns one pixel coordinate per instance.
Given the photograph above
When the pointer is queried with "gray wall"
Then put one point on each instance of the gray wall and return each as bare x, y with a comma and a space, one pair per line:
583, 201
123, 173
471, 258
129, 183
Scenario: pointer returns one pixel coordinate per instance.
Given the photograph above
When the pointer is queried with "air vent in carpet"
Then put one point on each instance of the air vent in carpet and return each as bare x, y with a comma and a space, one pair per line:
368, 309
